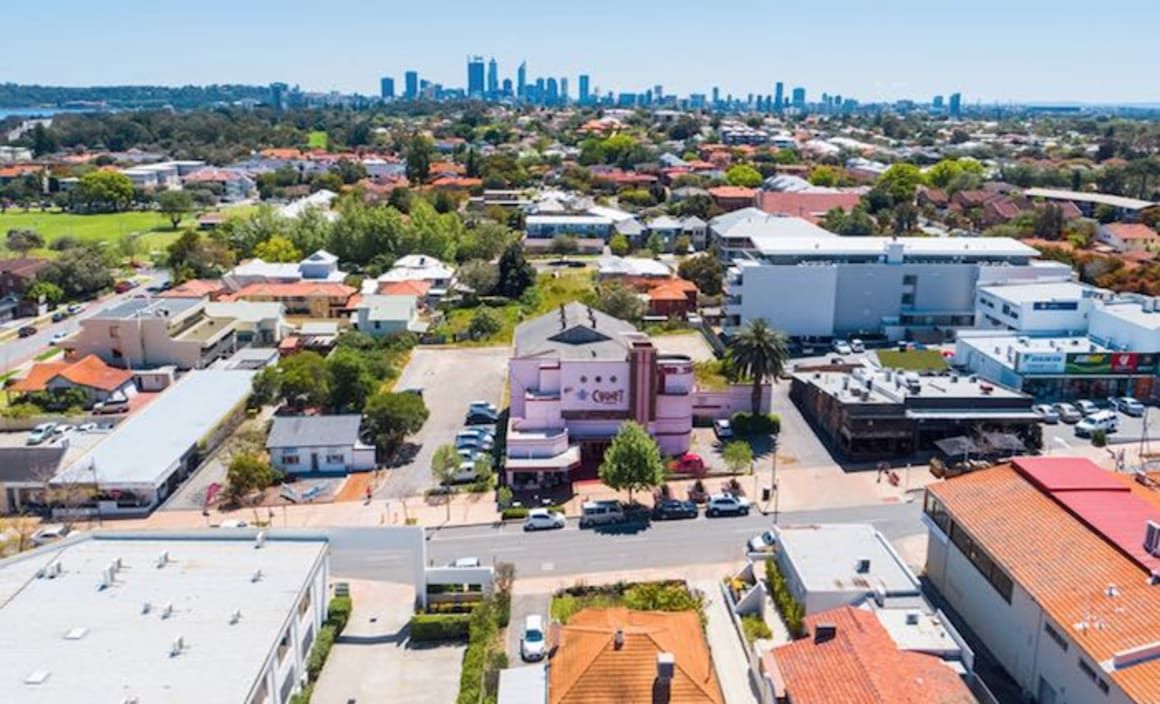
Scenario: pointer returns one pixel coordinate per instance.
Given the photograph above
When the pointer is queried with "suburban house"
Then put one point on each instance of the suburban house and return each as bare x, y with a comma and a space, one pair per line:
140, 332
98, 381
637, 272
319, 267
16, 277
1053, 563
233, 184
303, 299
808, 205
619, 655
733, 197
380, 316
1129, 237
849, 655
197, 288
319, 444
23, 474
257, 323
675, 298
419, 269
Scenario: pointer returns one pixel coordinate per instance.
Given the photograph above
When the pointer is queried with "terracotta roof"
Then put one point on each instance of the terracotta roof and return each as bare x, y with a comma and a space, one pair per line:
1132, 231
299, 288
810, 206
456, 182
732, 192
588, 668
194, 288
26, 266
1065, 566
410, 287
278, 153
861, 664
89, 371
17, 171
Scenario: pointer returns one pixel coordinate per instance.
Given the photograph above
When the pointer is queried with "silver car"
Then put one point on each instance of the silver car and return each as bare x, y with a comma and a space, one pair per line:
1067, 412
1046, 413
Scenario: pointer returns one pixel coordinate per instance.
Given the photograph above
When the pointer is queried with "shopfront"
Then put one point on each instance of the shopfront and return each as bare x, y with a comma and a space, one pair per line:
1070, 376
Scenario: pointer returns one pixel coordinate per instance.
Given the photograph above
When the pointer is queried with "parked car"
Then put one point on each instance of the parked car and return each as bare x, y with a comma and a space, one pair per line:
600, 513
468, 454
688, 463
482, 406
543, 519
231, 523
40, 433
857, 345
1128, 406
1067, 412
723, 429
842, 347
482, 416
50, 533
671, 509
764, 542
62, 430
1086, 407
58, 337
465, 473
465, 562
486, 429
112, 406
533, 644
727, 505
472, 440
59, 316
1046, 413
75, 308
124, 286
27, 331
1106, 421
87, 428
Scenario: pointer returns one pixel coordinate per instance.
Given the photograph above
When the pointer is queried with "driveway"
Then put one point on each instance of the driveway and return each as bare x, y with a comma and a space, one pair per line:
373, 661
524, 605
690, 344
451, 379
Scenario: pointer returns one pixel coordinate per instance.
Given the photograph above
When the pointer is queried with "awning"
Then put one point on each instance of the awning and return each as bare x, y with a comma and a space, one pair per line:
565, 460
972, 415
956, 446
1004, 442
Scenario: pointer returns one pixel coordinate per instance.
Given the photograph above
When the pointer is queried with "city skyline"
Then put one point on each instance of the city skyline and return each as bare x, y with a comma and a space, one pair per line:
802, 46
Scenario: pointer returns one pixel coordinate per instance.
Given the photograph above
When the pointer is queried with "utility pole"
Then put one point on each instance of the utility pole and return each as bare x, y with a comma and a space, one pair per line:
773, 479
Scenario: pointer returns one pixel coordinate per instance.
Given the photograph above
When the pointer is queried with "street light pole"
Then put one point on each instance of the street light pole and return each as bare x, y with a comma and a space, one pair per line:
773, 479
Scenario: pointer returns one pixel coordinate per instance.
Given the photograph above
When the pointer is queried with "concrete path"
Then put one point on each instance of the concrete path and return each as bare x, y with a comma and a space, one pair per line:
728, 653
524, 605
373, 661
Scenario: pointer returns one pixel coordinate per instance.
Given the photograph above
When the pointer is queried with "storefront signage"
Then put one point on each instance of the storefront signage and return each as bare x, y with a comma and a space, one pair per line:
608, 398
1041, 363
1055, 305
1110, 363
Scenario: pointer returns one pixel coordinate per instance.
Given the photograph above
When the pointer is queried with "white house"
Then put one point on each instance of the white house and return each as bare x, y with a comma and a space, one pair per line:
379, 316
319, 445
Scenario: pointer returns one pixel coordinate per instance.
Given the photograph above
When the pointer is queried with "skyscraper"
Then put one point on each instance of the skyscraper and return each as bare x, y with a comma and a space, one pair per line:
541, 92
522, 81
411, 85
716, 96
778, 96
584, 88
956, 105
936, 103
799, 98
492, 78
507, 87
387, 88
564, 90
553, 89
278, 96
475, 77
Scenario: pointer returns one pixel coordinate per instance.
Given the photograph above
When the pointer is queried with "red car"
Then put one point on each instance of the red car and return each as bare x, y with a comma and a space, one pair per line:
688, 463
123, 286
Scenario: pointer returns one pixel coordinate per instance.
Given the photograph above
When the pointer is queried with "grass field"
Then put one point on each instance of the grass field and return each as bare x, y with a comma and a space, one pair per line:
154, 228
553, 292
317, 140
912, 360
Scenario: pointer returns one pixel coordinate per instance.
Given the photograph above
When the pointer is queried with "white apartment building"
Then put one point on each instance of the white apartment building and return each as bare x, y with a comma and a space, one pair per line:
1048, 561
1056, 308
153, 617
827, 286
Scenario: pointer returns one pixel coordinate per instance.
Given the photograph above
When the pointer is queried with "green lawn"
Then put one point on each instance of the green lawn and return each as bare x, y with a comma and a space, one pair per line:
154, 228
317, 140
912, 360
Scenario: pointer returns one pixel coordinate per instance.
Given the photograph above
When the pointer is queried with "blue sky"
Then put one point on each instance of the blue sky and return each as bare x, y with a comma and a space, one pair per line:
1033, 50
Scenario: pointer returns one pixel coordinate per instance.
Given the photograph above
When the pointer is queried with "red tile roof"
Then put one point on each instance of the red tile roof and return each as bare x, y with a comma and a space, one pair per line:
299, 288
861, 664
26, 266
1063, 565
89, 371
732, 192
1131, 231
810, 206
194, 288
588, 668
405, 288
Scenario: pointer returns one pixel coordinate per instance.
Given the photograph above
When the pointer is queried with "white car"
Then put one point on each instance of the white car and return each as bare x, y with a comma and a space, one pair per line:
1129, 406
533, 644
857, 345
726, 505
1067, 412
58, 337
1046, 413
231, 523
766, 542
1086, 407
842, 347
465, 562
49, 534
40, 433
1106, 421
62, 430
543, 519
473, 442
723, 429
465, 473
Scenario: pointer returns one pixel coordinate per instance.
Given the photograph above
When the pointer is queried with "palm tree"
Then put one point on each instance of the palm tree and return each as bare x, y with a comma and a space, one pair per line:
758, 352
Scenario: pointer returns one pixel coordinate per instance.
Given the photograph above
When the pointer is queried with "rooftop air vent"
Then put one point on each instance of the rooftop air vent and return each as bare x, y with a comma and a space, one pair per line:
177, 647
163, 559
260, 540
76, 633
825, 632
863, 566
1152, 538
912, 618
167, 611
37, 677
618, 639
235, 616
146, 607
257, 576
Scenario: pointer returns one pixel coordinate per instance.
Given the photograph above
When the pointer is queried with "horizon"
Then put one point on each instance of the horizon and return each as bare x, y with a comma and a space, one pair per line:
1036, 55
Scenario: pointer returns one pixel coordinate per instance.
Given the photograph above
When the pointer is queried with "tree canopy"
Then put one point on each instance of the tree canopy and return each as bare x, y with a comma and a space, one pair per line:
632, 461
758, 352
743, 175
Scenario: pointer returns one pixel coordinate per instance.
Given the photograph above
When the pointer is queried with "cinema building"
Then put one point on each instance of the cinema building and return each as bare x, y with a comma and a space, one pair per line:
576, 375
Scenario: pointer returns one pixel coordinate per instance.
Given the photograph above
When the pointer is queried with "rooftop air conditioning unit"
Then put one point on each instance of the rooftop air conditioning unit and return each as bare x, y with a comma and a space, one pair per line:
163, 559
260, 539
912, 618
168, 610
177, 647
1152, 538
235, 616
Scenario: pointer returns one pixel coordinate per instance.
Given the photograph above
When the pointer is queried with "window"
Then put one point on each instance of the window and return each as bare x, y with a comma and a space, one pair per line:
910, 280
982, 562
283, 646
1087, 669
598, 380
291, 459
934, 510
115, 331
908, 299
117, 354
1054, 635
1102, 685
304, 605
334, 459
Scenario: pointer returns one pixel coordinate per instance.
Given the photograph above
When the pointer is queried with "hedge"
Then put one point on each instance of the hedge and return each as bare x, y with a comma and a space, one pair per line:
512, 514
745, 423
338, 613
437, 627
320, 651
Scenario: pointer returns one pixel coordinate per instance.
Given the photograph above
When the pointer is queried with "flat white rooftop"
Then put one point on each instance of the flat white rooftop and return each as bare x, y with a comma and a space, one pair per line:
1081, 197
826, 557
1134, 314
93, 644
1054, 291
997, 346
990, 247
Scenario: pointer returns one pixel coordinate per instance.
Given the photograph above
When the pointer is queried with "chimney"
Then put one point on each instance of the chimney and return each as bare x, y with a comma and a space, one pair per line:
618, 639
663, 684
824, 632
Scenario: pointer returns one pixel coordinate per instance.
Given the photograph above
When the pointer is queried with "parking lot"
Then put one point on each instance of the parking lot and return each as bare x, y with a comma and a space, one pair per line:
1058, 438
450, 380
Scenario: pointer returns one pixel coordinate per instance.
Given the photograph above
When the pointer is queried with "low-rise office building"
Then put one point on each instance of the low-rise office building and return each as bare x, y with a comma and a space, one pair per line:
143, 332
580, 225
1054, 564
867, 414
133, 617
920, 287
1055, 308
576, 375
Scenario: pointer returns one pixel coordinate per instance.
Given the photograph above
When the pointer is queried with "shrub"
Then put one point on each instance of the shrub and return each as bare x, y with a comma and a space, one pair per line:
439, 627
304, 696
320, 651
1099, 438
791, 611
512, 514
338, 613
745, 423
755, 627
662, 596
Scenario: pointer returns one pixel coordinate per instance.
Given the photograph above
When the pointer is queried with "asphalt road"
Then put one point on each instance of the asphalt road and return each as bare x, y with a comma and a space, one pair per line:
450, 378
358, 553
16, 351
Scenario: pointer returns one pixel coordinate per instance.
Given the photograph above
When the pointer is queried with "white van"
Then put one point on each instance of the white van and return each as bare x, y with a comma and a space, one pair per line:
599, 513
1106, 421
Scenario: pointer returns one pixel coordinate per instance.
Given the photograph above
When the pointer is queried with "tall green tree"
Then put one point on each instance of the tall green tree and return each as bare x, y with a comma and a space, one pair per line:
704, 270
743, 175
901, 182
632, 461
22, 241
49, 291
351, 380
418, 156
391, 417
246, 474
175, 205
105, 190
738, 455
758, 352
277, 249
304, 380
516, 274
621, 302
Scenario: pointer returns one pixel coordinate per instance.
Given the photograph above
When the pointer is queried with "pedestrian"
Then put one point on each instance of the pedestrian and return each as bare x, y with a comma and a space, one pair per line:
368, 494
